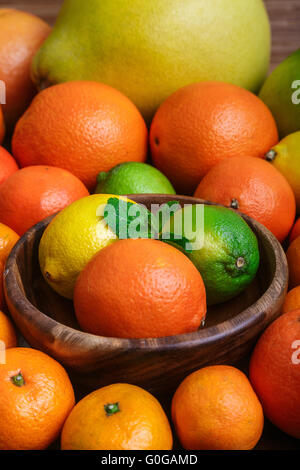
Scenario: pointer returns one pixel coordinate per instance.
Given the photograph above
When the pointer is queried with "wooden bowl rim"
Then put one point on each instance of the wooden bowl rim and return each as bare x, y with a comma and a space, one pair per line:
242, 321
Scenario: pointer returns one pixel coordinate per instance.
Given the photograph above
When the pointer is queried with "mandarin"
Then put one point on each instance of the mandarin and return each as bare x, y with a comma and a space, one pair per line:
84, 127
21, 35
293, 257
117, 417
215, 408
36, 396
292, 300
255, 188
204, 123
7, 332
8, 239
275, 372
33, 193
140, 289
8, 165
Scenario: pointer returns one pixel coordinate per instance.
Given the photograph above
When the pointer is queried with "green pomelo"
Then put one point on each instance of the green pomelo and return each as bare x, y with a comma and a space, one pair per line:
149, 49
281, 93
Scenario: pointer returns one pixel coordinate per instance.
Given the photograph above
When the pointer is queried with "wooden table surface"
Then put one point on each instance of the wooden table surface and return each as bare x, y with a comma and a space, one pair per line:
285, 20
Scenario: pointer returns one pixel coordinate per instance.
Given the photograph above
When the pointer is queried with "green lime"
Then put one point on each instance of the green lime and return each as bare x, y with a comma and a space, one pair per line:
228, 254
281, 93
133, 178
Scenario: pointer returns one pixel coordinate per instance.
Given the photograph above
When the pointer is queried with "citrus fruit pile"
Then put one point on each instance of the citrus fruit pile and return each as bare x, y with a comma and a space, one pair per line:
79, 138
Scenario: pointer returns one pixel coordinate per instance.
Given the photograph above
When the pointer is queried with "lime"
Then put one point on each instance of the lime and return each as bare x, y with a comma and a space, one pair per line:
228, 258
281, 93
133, 178
286, 158
73, 237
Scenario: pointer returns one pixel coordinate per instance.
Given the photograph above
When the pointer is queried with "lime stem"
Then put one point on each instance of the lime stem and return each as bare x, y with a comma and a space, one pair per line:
240, 263
234, 204
18, 380
111, 409
271, 155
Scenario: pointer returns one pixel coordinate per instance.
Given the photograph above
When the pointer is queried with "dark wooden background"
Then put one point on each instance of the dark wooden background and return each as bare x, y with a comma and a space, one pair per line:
284, 14
285, 20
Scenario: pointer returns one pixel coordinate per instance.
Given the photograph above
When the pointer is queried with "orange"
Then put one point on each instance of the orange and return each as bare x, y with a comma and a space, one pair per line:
21, 35
84, 127
292, 300
32, 194
295, 233
293, 257
275, 372
255, 188
204, 123
2, 126
7, 332
140, 289
36, 396
117, 417
8, 239
216, 408
8, 165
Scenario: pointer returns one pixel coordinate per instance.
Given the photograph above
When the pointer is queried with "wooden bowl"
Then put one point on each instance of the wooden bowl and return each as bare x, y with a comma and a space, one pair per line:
47, 321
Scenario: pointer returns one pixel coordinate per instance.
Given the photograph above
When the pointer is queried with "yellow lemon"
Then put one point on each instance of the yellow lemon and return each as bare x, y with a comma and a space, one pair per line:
73, 237
286, 158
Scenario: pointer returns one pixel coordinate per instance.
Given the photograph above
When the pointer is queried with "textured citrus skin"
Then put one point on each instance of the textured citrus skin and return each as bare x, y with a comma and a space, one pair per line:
2, 126
21, 35
32, 194
293, 257
72, 239
8, 239
292, 300
204, 123
134, 178
227, 239
7, 332
277, 93
287, 161
84, 127
32, 415
150, 49
8, 165
216, 408
141, 423
274, 375
259, 190
295, 233
159, 292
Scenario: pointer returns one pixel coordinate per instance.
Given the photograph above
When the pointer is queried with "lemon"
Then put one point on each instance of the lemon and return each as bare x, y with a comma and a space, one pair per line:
285, 156
73, 237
